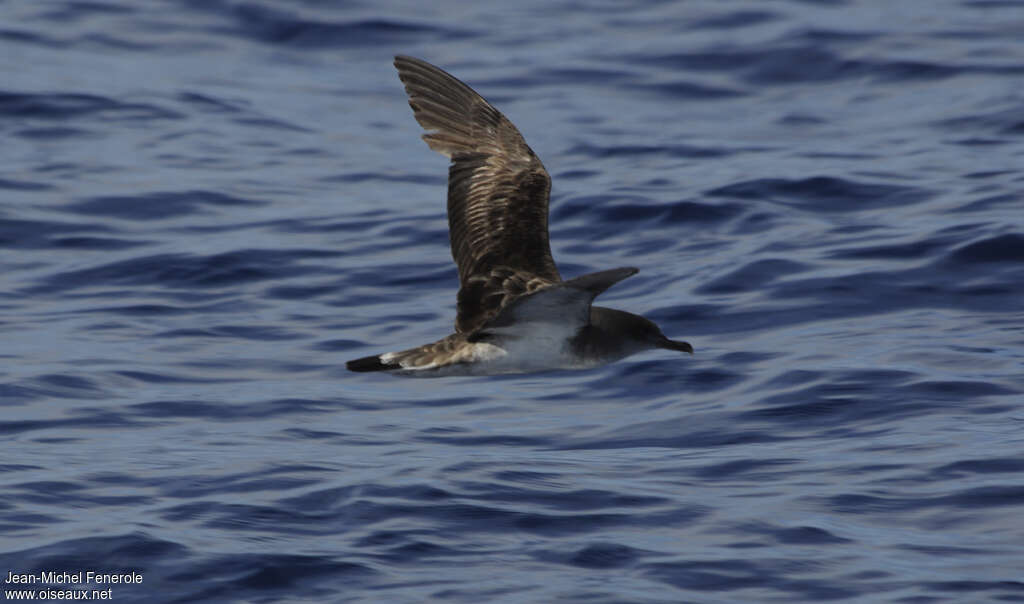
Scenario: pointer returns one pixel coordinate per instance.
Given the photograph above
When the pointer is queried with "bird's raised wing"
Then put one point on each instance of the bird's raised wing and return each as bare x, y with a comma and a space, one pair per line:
497, 193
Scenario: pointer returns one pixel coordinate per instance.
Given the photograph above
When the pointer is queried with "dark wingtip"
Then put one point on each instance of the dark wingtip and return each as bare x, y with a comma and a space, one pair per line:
597, 282
372, 363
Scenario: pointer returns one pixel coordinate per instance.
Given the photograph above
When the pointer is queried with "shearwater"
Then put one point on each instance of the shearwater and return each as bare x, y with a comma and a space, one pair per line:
515, 314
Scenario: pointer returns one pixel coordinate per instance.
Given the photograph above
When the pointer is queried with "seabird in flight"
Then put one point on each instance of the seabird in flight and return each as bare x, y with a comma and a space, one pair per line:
515, 314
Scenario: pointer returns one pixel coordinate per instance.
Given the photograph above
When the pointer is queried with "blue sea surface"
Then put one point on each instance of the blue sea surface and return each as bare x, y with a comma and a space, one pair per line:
207, 207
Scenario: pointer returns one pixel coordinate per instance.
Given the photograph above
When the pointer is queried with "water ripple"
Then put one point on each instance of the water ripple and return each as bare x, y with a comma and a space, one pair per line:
209, 206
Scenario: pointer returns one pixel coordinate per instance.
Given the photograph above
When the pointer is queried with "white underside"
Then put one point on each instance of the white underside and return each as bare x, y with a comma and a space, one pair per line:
534, 347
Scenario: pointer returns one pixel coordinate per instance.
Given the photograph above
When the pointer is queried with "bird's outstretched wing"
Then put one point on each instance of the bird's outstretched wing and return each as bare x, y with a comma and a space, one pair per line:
497, 193
563, 305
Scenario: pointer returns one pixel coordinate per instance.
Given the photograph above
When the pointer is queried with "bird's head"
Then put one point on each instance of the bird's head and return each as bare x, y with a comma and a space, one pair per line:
641, 333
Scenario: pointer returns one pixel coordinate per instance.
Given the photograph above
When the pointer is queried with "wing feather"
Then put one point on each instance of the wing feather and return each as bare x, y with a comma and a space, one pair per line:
566, 303
498, 191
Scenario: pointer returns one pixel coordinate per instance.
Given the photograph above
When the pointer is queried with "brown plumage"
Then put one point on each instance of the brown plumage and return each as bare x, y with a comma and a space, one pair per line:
515, 313
497, 193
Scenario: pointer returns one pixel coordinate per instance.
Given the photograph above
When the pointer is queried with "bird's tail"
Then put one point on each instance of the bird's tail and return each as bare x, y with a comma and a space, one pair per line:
371, 363
429, 356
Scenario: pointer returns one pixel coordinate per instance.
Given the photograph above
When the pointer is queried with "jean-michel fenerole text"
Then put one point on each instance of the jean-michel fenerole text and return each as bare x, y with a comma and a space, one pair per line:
86, 577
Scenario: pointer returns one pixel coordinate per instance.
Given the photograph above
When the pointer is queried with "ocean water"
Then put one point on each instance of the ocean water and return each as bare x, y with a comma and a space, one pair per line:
206, 207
